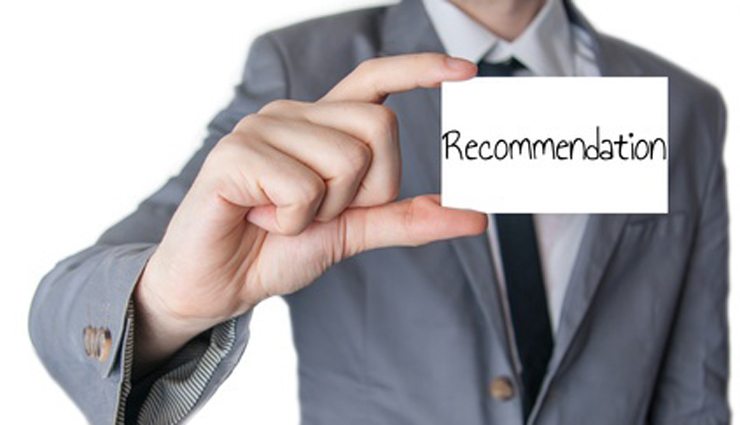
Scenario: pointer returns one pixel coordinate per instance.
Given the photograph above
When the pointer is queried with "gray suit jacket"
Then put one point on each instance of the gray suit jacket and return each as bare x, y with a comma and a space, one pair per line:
417, 335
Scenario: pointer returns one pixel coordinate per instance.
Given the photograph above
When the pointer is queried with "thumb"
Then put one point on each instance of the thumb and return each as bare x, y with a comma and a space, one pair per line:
411, 222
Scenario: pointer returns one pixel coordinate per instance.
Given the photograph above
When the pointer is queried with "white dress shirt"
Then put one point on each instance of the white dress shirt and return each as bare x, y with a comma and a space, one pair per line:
549, 46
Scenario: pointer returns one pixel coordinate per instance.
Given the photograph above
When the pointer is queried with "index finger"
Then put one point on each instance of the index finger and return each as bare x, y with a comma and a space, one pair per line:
376, 78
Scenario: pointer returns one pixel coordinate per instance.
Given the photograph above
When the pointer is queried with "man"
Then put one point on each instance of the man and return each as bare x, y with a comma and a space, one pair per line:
546, 319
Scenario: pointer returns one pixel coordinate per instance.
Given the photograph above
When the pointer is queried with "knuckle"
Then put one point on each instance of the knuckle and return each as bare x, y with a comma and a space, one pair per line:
387, 189
385, 124
385, 192
310, 191
305, 196
220, 151
386, 117
237, 144
357, 157
228, 141
235, 150
379, 192
250, 121
278, 106
391, 192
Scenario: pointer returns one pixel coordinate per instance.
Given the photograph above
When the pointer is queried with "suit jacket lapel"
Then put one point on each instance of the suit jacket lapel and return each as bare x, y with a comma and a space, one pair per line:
603, 231
599, 243
407, 29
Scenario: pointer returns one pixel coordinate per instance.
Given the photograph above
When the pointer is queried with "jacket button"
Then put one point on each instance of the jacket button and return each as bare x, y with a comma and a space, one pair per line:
97, 342
501, 388
88, 340
103, 344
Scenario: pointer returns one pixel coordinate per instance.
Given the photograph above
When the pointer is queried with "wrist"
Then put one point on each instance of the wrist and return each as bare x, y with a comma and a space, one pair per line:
160, 330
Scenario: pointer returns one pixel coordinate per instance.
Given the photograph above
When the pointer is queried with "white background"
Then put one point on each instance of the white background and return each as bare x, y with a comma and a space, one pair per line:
101, 101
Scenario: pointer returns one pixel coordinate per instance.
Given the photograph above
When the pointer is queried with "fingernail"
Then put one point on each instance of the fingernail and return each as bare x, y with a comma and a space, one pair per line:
457, 64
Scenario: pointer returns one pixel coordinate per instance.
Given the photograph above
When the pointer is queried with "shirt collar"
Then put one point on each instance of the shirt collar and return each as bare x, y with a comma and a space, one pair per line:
545, 47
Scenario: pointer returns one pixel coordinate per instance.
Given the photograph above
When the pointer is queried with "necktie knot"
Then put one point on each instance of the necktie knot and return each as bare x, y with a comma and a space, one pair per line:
505, 68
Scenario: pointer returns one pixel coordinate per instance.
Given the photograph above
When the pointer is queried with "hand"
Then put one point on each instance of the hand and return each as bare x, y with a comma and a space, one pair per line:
292, 190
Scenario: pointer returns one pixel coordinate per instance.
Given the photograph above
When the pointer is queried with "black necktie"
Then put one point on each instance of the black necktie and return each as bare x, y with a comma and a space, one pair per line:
524, 286
499, 69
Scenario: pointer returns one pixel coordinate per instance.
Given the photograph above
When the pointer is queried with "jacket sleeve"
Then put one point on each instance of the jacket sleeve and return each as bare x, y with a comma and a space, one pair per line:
81, 319
692, 385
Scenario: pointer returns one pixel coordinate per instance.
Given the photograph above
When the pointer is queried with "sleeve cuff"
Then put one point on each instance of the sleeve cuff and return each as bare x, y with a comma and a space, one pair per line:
176, 393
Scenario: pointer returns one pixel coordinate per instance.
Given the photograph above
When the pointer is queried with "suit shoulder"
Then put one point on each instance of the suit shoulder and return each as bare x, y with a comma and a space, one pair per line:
693, 100
333, 32
652, 64
697, 119
317, 53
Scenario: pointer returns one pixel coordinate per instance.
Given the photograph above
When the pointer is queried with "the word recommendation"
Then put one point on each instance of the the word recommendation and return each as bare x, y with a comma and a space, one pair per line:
597, 148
